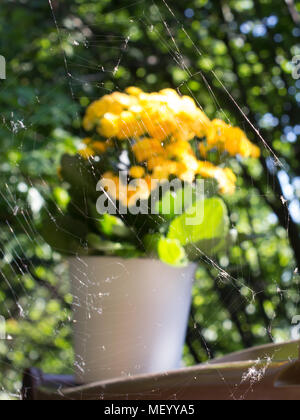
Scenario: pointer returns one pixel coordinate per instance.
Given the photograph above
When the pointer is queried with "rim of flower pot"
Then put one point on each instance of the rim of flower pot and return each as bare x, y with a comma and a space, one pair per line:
114, 257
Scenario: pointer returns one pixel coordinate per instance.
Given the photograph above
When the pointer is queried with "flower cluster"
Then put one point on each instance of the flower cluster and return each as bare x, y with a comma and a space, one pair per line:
228, 139
159, 115
167, 135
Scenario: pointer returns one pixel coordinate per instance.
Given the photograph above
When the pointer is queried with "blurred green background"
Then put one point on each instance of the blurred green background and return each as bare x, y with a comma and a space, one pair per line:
235, 58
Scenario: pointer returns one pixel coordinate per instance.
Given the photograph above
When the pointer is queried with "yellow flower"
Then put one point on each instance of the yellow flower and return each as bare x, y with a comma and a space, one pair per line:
133, 91
230, 139
255, 152
171, 167
147, 148
186, 161
179, 149
216, 132
225, 177
230, 175
227, 181
129, 126
98, 108
183, 133
94, 112
159, 123
200, 123
136, 110
155, 161
161, 173
87, 153
206, 169
190, 162
171, 121
151, 182
119, 102
203, 150
140, 191
186, 174
109, 126
99, 147
171, 94
137, 172
111, 185
88, 123
161, 115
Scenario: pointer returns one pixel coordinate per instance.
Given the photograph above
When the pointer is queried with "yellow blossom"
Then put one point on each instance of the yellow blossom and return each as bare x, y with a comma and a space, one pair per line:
200, 123
109, 126
159, 123
216, 132
160, 115
137, 172
179, 148
203, 150
169, 92
206, 169
255, 152
129, 126
95, 112
133, 91
227, 181
230, 139
165, 169
155, 161
147, 148
161, 173
99, 147
162, 125
151, 182
139, 191
111, 185
87, 153
225, 177
190, 162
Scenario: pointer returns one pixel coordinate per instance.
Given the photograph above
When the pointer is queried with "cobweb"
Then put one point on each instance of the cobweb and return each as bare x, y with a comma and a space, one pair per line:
226, 297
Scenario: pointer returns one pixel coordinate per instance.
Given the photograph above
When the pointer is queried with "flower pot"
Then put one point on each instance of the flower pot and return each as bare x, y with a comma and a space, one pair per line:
130, 316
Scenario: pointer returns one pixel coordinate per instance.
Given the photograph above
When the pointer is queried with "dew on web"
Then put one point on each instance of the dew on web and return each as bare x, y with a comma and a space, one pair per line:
255, 375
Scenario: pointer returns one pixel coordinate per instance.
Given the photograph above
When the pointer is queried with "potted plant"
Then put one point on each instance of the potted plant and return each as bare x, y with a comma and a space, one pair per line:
144, 207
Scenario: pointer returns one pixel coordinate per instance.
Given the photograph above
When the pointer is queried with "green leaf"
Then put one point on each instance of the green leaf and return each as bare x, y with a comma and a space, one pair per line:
173, 203
150, 242
108, 247
113, 226
171, 252
110, 225
203, 229
64, 234
76, 172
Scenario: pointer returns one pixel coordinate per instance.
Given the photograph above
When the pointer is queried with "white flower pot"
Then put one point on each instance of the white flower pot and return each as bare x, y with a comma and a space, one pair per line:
130, 316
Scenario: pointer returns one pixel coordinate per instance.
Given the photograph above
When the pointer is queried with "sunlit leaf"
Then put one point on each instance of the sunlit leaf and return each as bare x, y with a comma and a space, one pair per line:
203, 229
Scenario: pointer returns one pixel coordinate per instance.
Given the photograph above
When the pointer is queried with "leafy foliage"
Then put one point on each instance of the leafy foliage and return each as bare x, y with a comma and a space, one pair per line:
183, 220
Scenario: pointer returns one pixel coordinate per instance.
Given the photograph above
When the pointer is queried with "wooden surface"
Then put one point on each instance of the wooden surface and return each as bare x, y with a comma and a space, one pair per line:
271, 373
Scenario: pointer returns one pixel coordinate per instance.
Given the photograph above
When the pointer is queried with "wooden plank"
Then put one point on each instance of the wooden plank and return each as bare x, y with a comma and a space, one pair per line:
263, 378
